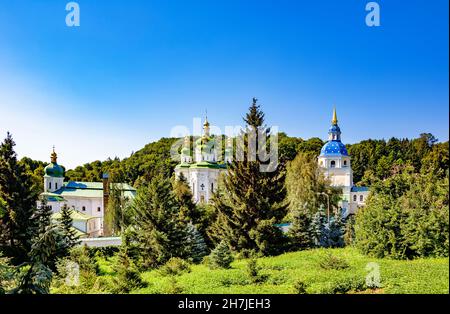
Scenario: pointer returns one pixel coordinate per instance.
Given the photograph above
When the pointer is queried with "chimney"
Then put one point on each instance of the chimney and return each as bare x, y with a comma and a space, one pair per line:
105, 228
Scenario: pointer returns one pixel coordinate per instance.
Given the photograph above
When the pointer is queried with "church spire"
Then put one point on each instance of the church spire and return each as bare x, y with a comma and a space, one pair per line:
206, 125
334, 121
53, 156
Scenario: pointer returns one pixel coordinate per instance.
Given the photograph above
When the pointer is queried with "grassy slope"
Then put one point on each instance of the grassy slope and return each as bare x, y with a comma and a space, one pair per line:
418, 276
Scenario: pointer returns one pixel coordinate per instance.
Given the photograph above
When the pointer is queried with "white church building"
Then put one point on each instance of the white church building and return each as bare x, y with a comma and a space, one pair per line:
203, 171
335, 163
89, 200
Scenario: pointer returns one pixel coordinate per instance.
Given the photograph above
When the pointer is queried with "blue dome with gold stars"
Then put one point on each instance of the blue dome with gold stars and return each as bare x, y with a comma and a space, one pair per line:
334, 148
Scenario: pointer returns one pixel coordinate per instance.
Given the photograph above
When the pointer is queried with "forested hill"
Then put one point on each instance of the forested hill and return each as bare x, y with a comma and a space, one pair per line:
371, 159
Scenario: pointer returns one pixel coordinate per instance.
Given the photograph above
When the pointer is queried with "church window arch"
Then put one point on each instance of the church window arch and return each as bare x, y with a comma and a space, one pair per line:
354, 198
361, 198
49, 185
333, 164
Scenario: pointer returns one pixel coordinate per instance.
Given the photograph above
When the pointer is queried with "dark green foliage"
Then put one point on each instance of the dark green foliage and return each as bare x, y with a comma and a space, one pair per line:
159, 231
196, 244
116, 214
7, 275
127, 274
333, 262
81, 268
152, 160
299, 233
251, 201
70, 236
18, 203
345, 285
406, 216
349, 230
220, 257
253, 271
183, 196
300, 287
48, 244
175, 267
326, 232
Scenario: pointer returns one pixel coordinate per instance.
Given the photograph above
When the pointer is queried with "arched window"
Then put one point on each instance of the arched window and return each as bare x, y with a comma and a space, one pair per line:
99, 209
83, 208
56, 185
361, 198
354, 198
333, 164
212, 186
49, 185
345, 163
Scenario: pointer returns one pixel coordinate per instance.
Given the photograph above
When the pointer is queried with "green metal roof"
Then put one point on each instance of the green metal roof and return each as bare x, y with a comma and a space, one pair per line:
91, 189
207, 164
76, 216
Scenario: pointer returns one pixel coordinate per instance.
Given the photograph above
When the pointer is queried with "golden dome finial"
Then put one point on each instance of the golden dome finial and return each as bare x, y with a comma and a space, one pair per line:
334, 121
53, 156
206, 124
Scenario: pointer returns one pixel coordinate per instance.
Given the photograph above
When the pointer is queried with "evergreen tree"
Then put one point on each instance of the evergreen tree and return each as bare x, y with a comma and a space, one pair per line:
317, 228
19, 197
183, 195
299, 232
333, 232
221, 256
70, 236
160, 233
128, 276
196, 244
251, 200
36, 275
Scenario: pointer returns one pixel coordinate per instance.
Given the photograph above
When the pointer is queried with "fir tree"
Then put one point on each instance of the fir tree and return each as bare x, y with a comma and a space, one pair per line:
184, 198
196, 244
333, 232
299, 232
70, 236
19, 198
160, 233
36, 275
317, 226
221, 256
128, 276
251, 200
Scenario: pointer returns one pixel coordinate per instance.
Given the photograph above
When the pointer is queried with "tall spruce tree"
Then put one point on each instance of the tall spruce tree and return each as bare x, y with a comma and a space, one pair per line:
160, 232
19, 198
196, 244
251, 201
70, 236
299, 233
36, 274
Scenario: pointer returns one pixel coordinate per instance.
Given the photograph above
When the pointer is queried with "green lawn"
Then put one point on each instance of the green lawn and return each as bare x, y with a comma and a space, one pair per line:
429, 275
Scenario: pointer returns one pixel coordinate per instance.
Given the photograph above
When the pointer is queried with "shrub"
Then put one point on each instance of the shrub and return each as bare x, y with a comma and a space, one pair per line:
127, 275
300, 287
352, 284
174, 287
220, 257
175, 267
333, 262
252, 271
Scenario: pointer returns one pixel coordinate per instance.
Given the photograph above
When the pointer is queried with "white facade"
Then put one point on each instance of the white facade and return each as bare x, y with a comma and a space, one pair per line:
202, 173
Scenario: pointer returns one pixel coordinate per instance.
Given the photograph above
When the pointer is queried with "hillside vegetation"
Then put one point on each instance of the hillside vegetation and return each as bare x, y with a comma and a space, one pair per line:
281, 274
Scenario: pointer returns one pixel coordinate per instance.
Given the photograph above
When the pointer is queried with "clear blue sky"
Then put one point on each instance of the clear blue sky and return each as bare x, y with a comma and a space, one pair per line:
135, 69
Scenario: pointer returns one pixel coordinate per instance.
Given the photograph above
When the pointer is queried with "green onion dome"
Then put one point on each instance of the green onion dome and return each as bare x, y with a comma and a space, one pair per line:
53, 169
